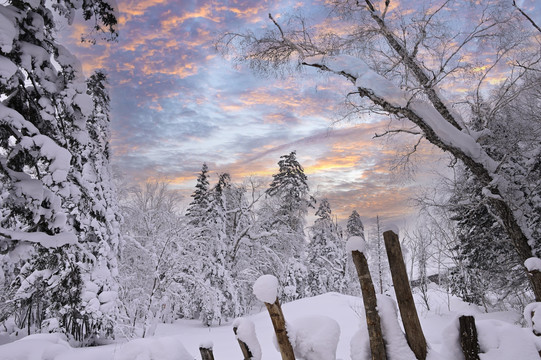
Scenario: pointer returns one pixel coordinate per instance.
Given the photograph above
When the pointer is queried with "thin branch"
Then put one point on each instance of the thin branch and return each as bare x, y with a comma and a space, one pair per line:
396, 131
526, 16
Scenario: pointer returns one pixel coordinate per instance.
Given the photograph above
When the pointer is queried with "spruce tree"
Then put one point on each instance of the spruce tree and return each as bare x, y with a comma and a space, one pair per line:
197, 210
282, 220
355, 225
58, 225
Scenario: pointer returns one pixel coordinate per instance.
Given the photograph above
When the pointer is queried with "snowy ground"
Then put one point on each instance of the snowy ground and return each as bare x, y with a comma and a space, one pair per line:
500, 336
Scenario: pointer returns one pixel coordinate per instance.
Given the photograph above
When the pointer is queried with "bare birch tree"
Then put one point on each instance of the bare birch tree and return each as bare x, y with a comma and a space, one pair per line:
410, 63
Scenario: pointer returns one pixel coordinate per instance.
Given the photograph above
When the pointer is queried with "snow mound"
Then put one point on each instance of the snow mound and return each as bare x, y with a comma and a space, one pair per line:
499, 340
39, 346
266, 288
356, 243
314, 337
166, 348
396, 346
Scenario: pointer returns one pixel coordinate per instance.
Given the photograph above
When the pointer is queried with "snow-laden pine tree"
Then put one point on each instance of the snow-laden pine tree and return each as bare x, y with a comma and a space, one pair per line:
198, 208
281, 226
326, 257
217, 251
354, 225
59, 230
218, 295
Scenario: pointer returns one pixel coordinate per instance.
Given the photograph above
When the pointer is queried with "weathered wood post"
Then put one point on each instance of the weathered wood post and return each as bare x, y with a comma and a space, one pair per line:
266, 290
408, 312
206, 352
279, 324
468, 338
246, 353
377, 347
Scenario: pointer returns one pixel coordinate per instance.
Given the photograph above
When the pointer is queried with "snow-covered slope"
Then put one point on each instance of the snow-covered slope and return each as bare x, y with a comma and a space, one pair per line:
499, 336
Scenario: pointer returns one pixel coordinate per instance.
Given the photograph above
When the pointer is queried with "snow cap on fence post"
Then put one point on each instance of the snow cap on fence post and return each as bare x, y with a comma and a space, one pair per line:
356, 243
266, 288
244, 330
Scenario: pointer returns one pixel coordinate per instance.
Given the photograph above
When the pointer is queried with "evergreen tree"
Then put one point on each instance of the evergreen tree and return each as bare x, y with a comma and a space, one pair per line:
215, 250
197, 210
282, 221
291, 187
355, 225
326, 257
58, 224
488, 264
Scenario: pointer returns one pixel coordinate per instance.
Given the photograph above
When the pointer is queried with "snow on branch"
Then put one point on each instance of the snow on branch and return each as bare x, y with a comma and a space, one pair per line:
390, 98
46, 240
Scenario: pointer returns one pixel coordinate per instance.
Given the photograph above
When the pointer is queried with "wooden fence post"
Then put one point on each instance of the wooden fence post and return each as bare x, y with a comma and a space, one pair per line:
279, 324
243, 347
377, 346
468, 338
408, 312
206, 352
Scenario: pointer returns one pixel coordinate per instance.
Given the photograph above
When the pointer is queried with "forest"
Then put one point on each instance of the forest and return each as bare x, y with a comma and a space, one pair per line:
90, 255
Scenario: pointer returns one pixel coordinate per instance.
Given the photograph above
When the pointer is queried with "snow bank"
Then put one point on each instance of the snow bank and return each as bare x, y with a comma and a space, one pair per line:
166, 348
39, 346
246, 333
499, 340
56, 347
266, 288
356, 243
314, 337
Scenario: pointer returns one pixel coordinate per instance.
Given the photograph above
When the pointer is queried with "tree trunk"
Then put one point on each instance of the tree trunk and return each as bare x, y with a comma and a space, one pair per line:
246, 353
468, 338
206, 353
279, 324
377, 346
408, 312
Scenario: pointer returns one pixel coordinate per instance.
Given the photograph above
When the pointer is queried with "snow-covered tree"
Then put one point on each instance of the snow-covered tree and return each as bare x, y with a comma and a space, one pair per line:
218, 252
355, 226
406, 64
59, 229
281, 224
197, 210
326, 256
151, 255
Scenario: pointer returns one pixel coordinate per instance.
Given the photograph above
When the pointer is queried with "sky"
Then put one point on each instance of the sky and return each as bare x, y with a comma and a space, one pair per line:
177, 103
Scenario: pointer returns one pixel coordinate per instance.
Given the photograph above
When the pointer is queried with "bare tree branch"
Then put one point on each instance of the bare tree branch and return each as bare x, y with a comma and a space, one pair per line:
526, 16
